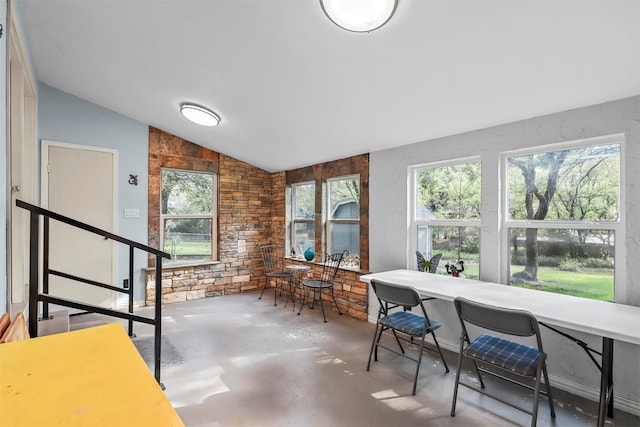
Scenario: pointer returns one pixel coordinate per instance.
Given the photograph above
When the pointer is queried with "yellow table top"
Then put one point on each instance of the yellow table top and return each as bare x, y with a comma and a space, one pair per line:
90, 377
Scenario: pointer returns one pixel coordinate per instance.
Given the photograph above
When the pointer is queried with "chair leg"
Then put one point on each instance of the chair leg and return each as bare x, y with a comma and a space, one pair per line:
455, 386
303, 301
374, 345
266, 283
548, 385
275, 293
335, 302
290, 297
418, 362
382, 329
398, 340
322, 306
536, 396
446, 367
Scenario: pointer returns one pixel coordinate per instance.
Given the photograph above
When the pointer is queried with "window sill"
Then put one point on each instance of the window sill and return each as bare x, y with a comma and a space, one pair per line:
303, 260
183, 265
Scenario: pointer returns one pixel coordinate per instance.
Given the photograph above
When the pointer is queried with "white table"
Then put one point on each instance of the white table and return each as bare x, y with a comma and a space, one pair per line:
609, 320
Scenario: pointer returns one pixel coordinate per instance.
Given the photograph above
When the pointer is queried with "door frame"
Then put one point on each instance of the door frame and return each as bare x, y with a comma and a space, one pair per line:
44, 194
21, 138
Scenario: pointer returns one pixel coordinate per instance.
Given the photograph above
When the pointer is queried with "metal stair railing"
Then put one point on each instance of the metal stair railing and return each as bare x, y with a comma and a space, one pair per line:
36, 297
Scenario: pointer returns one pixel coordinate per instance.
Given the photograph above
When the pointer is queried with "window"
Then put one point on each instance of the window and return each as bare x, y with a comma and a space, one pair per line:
340, 218
188, 215
446, 214
343, 217
303, 225
563, 218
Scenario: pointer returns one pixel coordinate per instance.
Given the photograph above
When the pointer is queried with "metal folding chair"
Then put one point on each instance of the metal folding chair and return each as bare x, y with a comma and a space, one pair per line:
403, 324
488, 350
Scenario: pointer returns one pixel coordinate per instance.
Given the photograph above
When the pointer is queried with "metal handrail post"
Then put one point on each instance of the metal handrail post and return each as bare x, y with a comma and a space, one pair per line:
131, 334
45, 266
34, 228
158, 318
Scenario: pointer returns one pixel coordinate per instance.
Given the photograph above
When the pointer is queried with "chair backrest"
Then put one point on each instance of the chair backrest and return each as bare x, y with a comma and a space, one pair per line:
435, 260
420, 258
272, 257
330, 266
503, 320
396, 295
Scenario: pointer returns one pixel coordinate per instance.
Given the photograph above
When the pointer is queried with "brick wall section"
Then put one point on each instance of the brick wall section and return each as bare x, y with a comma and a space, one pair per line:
351, 294
251, 213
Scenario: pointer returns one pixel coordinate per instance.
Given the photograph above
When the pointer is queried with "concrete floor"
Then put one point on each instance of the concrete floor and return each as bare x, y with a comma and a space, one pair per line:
248, 363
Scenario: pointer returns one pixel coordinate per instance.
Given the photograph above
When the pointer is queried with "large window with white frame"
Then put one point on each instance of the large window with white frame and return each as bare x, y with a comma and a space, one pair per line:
188, 215
562, 217
343, 217
446, 210
302, 227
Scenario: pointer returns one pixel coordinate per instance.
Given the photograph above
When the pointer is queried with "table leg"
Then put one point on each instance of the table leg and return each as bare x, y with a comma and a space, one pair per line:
606, 382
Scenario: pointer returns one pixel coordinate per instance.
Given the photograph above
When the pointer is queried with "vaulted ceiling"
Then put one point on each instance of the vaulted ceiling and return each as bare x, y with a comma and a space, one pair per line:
293, 89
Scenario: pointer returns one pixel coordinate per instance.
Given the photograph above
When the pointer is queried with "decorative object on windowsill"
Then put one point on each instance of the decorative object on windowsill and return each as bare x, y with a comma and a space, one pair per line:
425, 265
351, 261
453, 270
309, 254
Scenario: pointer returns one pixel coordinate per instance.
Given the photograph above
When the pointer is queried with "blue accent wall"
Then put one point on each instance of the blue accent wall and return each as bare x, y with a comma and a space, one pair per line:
68, 119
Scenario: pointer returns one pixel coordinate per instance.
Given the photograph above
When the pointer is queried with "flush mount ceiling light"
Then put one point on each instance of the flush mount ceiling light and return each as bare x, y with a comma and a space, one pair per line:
360, 16
199, 115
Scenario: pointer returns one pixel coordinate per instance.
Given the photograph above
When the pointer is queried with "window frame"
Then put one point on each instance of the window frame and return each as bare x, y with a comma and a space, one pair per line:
213, 216
328, 221
292, 236
415, 222
618, 227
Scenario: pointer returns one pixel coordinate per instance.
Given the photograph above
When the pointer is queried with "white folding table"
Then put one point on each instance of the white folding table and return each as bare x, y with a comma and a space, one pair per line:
609, 320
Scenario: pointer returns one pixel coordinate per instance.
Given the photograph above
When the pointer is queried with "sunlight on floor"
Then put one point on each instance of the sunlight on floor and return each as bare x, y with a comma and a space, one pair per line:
397, 402
195, 386
244, 361
328, 359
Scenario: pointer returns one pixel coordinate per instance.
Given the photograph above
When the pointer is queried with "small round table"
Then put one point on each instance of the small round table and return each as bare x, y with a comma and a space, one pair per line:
297, 272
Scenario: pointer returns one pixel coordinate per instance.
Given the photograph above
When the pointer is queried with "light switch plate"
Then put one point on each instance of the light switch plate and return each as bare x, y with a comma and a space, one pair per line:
132, 213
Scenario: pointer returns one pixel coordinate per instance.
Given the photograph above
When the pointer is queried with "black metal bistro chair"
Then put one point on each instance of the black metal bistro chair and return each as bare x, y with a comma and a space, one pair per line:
273, 259
316, 286
406, 326
488, 350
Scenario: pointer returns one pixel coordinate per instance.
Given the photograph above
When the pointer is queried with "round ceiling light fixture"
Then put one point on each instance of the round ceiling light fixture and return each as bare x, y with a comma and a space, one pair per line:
199, 115
360, 16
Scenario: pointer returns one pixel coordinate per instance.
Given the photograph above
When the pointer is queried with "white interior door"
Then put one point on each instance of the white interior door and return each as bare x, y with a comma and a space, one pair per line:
80, 184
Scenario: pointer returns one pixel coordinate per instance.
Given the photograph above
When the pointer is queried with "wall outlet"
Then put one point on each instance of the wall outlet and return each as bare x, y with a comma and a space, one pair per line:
125, 284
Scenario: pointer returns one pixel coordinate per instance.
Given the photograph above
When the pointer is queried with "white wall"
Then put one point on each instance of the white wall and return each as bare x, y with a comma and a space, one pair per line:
569, 366
65, 118
3, 162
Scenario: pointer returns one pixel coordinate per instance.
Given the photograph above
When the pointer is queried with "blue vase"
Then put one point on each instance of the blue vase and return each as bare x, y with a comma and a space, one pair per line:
309, 254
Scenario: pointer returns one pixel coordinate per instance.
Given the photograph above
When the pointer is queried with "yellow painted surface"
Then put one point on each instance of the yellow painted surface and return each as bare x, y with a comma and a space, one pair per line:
90, 377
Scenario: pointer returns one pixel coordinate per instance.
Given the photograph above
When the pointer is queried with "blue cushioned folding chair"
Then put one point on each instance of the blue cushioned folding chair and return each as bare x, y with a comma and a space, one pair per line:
403, 324
502, 353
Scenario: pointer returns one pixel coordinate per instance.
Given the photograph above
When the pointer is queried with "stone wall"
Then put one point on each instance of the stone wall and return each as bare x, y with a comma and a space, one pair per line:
251, 213
351, 294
